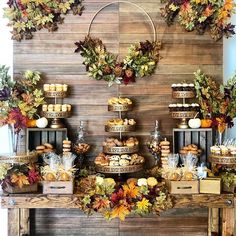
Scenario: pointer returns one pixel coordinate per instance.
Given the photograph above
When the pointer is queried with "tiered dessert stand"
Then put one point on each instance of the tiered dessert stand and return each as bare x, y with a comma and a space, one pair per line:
182, 114
120, 129
56, 115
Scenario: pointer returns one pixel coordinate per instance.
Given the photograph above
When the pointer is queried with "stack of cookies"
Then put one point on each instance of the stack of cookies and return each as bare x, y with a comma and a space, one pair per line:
44, 148
165, 151
190, 149
66, 146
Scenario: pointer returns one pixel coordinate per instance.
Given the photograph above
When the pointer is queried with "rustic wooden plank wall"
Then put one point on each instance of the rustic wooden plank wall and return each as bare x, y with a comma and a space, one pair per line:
118, 26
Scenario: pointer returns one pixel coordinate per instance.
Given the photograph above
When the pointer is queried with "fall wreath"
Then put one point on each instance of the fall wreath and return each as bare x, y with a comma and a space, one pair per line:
27, 16
201, 15
141, 60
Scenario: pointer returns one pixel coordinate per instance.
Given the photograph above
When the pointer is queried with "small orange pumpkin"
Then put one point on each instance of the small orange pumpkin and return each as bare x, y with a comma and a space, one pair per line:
31, 123
206, 123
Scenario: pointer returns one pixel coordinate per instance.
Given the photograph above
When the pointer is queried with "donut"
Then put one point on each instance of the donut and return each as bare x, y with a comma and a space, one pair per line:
66, 145
48, 145
165, 147
66, 142
40, 147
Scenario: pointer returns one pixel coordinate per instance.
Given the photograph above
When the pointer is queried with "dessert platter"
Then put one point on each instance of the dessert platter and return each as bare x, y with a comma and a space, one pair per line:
223, 154
119, 153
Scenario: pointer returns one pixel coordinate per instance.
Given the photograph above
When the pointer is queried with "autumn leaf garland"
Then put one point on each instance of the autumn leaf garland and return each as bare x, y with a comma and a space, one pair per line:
113, 200
201, 15
27, 16
141, 61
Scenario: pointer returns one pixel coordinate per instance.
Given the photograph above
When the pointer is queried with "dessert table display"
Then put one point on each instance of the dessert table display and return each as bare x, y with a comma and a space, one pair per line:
120, 154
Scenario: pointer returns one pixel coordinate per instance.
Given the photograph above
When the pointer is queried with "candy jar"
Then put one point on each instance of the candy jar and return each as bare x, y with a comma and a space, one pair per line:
153, 143
80, 146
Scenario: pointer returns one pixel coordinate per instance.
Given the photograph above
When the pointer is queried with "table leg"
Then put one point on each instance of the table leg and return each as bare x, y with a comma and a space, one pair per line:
18, 222
228, 221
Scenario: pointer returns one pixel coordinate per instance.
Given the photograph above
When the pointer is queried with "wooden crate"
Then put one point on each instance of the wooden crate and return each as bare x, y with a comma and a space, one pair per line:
36, 136
210, 185
58, 187
202, 137
183, 187
25, 189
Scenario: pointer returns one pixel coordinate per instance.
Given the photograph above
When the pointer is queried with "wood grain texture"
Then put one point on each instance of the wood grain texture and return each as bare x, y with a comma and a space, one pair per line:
72, 201
118, 26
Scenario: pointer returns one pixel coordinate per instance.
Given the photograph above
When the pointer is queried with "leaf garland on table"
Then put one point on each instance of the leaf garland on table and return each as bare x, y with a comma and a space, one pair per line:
141, 60
18, 175
201, 15
118, 200
28, 16
218, 100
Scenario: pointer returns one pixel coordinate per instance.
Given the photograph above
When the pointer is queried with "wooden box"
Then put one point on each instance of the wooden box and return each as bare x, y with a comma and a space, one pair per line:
183, 187
25, 189
202, 137
58, 187
37, 136
210, 185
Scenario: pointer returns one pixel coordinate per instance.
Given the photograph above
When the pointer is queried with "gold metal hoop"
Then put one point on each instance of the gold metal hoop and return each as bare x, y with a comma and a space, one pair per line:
127, 2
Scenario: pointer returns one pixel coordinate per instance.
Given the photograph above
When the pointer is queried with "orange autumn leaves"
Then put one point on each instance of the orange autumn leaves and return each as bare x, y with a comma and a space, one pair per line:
224, 13
116, 200
19, 180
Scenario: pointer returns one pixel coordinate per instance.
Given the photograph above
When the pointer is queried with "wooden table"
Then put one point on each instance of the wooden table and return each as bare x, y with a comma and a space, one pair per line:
19, 205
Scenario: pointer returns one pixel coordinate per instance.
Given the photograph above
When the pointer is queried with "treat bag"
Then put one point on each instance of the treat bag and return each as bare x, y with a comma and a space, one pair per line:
68, 161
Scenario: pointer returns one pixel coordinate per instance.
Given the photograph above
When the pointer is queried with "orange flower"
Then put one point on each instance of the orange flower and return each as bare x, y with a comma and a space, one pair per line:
120, 212
20, 180
229, 5
130, 190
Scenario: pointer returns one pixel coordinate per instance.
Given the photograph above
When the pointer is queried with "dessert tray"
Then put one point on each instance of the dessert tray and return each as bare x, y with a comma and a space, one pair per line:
119, 169
219, 159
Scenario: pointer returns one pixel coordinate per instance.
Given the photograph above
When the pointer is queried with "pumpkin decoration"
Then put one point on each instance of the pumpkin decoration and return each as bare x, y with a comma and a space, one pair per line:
194, 123
31, 123
206, 123
42, 122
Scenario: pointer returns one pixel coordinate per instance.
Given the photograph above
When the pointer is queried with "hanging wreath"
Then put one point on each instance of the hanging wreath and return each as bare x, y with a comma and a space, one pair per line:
140, 61
27, 16
202, 15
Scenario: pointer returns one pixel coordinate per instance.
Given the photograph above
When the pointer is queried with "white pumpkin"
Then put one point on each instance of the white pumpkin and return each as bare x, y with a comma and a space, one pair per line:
42, 122
194, 123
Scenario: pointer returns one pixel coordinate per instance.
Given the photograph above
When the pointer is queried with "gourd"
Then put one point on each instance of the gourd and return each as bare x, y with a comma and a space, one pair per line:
42, 122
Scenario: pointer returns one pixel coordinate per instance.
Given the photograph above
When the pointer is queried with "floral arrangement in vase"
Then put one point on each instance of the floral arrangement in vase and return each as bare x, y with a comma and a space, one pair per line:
27, 16
19, 99
201, 15
218, 100
18, 175
141, 60
116, 200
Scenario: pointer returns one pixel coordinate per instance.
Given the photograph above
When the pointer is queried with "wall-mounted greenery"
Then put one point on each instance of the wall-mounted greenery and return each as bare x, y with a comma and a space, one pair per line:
27, 16
201, 15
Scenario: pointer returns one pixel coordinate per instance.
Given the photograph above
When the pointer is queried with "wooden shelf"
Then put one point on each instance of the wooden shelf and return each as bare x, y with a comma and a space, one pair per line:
72, 201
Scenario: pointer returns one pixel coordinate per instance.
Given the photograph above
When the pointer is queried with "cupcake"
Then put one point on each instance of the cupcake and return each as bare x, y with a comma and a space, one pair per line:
50, 107
52, 87
44, 107
59, 87
46, 87
174, 87
64, 107
64, 87
224, 150
57, 107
